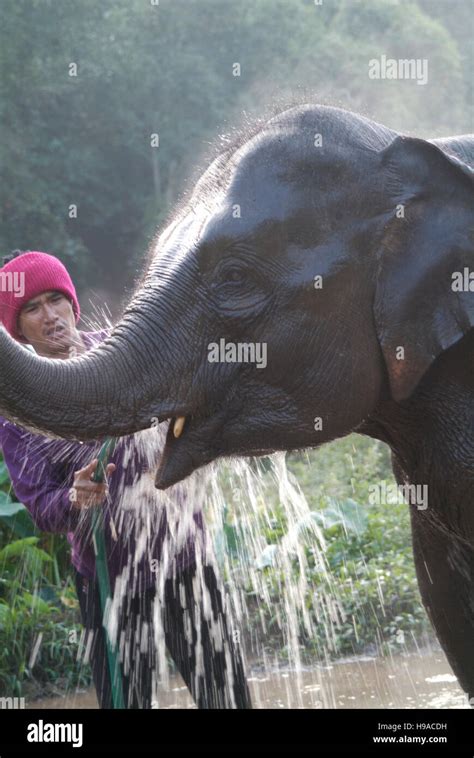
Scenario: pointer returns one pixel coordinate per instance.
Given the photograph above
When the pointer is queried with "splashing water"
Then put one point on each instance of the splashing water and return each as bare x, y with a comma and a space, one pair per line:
264, 492
237, 498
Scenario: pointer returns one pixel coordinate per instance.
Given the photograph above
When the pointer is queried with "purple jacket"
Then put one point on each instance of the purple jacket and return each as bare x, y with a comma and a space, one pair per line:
147, 532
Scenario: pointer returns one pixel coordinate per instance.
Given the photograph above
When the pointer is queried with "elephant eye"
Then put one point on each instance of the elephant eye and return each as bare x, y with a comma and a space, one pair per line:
235, 275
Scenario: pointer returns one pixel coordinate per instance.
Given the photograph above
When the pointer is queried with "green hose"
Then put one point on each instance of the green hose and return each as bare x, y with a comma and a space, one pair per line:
103, 575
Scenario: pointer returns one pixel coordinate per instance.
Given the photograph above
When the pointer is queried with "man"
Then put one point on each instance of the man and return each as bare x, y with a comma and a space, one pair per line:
153, 565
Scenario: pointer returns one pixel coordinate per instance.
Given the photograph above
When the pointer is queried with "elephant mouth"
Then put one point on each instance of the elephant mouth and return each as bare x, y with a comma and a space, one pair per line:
196, 438
192, 441
202, 440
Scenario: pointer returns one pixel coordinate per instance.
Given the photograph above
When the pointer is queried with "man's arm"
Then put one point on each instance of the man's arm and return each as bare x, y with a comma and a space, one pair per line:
36, 482
54, 504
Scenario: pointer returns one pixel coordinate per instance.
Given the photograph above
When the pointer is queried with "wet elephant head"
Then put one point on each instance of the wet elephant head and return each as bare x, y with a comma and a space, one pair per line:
309, 275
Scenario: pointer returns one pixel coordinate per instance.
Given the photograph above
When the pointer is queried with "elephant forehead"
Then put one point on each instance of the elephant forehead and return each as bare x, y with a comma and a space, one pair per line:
263, 162
239, 219
255, 194
277, 178
281, 176
186, 230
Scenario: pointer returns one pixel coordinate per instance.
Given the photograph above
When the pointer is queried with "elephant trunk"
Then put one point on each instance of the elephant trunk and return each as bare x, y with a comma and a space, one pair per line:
115, 389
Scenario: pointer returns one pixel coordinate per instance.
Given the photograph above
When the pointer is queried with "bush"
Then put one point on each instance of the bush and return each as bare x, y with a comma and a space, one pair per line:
39, 620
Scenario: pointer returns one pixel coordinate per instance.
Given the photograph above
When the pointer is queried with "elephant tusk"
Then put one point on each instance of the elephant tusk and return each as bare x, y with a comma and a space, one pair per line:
179, 426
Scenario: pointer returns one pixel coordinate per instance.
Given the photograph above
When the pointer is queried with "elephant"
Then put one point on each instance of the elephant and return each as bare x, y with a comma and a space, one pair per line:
346, 249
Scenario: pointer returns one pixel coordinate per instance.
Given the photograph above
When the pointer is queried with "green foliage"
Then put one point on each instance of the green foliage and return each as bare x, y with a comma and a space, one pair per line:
346, 514
36, 621
38, 607
15, 516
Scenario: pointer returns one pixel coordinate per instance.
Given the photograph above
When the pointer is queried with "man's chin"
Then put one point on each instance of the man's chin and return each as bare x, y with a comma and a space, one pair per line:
61, 343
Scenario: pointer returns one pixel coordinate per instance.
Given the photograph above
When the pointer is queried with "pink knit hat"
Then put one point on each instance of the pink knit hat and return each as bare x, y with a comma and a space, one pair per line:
26, 277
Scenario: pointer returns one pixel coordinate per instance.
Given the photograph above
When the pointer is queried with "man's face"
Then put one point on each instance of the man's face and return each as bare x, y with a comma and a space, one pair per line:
47, 322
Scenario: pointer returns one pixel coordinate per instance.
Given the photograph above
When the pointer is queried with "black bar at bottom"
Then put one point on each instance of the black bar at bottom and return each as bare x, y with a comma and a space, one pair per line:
384, 732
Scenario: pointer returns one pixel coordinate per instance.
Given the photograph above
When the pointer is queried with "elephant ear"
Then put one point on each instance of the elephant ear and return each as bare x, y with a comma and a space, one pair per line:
426, 255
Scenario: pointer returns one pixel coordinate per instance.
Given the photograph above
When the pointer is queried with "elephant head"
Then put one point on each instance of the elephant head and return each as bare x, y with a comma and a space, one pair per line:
308, 276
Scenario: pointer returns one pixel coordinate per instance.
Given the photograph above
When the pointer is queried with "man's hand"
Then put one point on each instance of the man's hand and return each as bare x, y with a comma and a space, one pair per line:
85, 493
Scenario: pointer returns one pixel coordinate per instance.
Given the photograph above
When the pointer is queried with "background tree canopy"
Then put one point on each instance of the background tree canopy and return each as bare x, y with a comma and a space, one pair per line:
146, 67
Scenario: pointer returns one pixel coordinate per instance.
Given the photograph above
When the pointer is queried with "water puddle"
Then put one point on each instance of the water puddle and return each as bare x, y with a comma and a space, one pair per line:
404, 681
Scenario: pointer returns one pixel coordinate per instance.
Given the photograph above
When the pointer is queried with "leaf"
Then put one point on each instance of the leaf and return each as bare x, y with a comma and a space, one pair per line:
49, 595
349, 514
36, 603
69, 602
17, 517
24, 547
7, 507
16, 548
5, 613
4, 475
